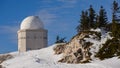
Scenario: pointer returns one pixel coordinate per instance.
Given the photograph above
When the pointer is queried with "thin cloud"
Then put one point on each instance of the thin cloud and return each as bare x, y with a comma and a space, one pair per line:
68, 3
46, 16
10, 32
9, 29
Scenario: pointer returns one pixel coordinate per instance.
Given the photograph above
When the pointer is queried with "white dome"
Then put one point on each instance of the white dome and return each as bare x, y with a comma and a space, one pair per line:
31, 22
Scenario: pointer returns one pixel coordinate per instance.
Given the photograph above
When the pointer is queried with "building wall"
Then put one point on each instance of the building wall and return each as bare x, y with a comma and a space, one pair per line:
21, 41
31, 39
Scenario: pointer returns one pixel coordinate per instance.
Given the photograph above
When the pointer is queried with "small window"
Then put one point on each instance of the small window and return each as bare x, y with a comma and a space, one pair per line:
45, 37
23, 37
29, 49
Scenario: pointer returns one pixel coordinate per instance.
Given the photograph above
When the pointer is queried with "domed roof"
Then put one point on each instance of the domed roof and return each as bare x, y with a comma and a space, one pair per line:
31, 22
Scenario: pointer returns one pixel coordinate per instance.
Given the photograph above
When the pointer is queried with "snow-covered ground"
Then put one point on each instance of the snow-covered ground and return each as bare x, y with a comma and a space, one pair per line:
45, 58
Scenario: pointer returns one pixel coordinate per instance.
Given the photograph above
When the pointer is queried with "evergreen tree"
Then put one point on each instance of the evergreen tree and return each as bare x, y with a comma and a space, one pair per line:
110, 49
83, 24
115, 26
92, 17
101, 18
60, 40
97, 24
115, 9
86, 21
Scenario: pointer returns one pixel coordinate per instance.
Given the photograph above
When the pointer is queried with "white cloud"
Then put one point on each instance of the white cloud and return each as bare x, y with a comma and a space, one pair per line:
46, 16
9, 29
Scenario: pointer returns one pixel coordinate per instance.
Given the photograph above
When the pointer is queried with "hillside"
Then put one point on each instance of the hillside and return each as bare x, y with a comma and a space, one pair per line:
45, 58
84, 47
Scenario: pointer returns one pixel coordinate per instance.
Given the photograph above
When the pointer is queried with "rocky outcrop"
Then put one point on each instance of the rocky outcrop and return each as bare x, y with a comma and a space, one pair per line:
59, 48
78, 49
5, 57
1, 66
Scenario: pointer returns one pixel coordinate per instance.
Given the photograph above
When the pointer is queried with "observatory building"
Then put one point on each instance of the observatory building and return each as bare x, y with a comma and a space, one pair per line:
31, 35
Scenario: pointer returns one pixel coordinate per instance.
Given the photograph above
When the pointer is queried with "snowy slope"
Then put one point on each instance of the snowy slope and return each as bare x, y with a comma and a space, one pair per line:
45, 58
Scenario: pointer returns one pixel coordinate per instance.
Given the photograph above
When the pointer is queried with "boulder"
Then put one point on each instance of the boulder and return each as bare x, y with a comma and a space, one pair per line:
59, 48
75, 51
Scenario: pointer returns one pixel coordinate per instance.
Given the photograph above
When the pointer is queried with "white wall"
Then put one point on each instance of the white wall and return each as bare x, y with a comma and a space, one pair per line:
31, 39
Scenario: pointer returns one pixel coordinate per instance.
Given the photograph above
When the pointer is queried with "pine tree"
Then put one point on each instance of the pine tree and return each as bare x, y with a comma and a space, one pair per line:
92, 17
84, 20
115, 26
80, 27
101, 18
115, 8
60, 40
97, 24
112, 46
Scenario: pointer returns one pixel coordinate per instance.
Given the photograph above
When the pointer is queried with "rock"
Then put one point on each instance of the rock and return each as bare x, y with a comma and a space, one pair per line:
75, 51
1, 66
5, 57
59, 48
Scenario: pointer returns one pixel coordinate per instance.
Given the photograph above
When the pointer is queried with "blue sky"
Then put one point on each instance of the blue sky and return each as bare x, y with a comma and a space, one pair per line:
60, 17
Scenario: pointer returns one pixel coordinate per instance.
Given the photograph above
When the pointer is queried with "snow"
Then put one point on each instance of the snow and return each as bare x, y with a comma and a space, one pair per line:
96, 30
45, 58
97, 44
